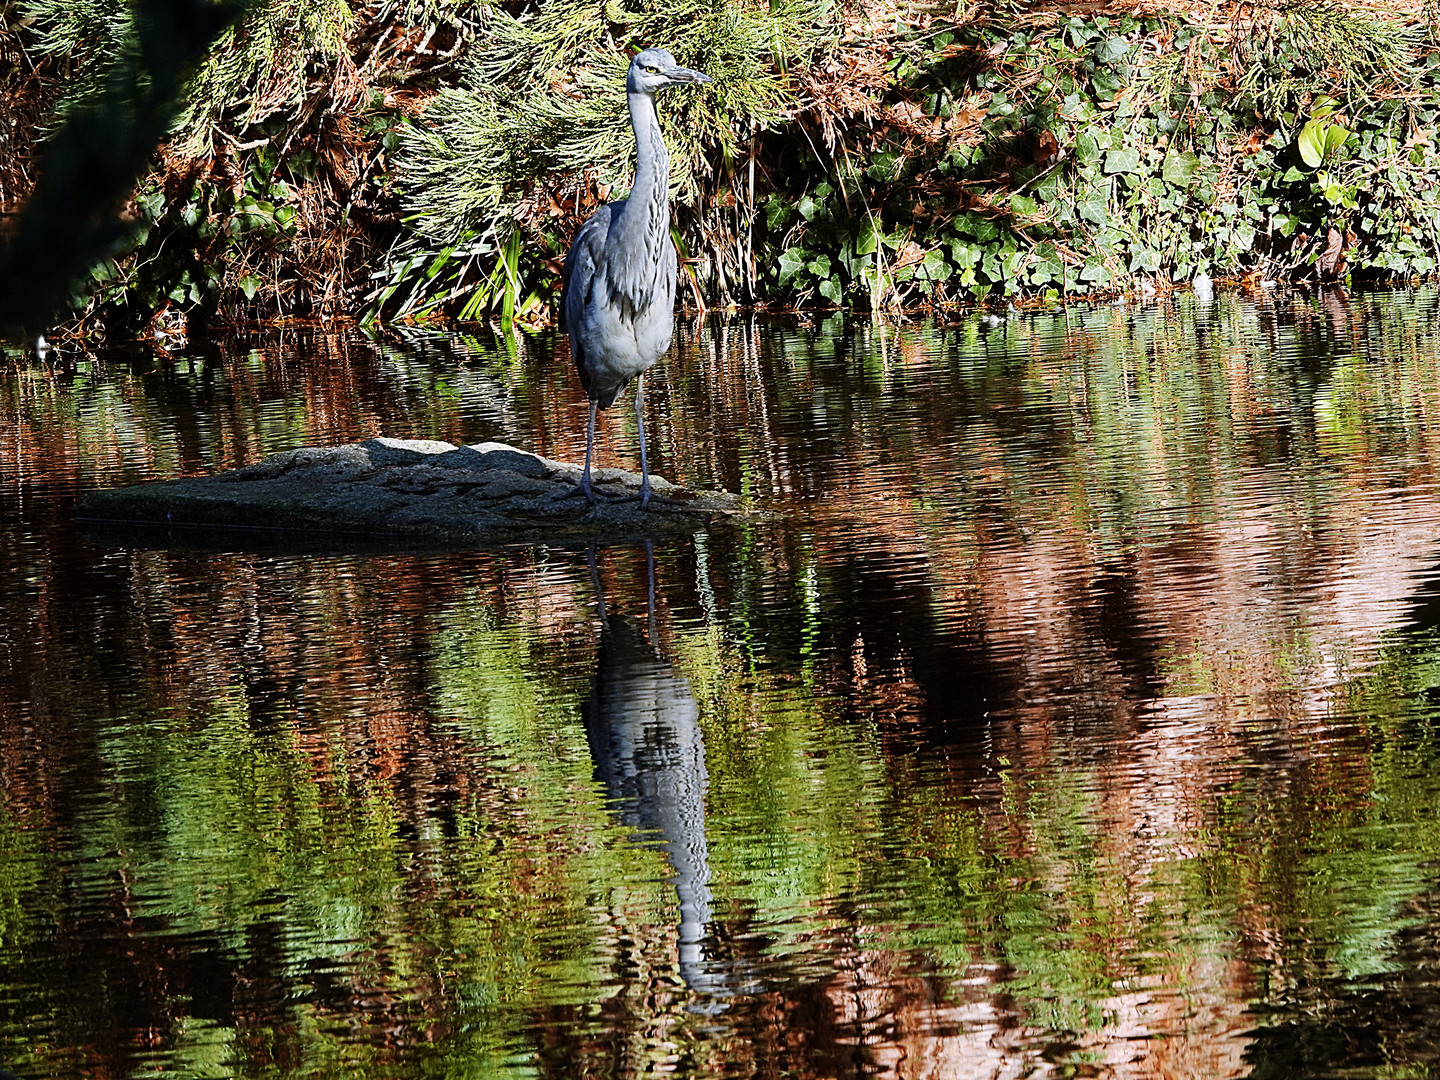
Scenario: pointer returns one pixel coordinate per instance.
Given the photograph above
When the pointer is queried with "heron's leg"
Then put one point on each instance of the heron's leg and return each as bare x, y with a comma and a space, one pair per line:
595, 582
640, 423
650, 605
589, 446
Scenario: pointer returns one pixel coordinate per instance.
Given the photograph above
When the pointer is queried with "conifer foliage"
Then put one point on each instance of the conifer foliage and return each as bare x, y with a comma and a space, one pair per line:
541, 98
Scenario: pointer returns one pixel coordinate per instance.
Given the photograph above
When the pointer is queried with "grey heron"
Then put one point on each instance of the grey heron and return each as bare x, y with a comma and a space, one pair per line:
617, 301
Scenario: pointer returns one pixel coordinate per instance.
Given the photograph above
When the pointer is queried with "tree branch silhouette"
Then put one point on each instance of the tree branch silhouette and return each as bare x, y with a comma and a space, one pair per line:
74, 218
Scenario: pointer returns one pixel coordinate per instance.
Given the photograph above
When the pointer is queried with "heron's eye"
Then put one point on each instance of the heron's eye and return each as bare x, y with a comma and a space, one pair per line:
652, 69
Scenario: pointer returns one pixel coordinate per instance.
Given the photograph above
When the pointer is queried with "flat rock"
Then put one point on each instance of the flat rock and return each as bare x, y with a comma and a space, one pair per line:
415, 489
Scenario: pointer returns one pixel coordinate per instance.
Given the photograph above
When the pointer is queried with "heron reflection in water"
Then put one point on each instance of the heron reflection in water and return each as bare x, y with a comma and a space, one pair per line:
643, 725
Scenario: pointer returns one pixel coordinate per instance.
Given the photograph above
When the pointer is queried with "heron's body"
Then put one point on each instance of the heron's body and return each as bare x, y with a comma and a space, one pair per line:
620, 323
618, 299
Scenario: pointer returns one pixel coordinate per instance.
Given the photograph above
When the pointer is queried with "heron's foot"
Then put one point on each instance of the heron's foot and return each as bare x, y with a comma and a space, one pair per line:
651, 500
605, 494
582, 490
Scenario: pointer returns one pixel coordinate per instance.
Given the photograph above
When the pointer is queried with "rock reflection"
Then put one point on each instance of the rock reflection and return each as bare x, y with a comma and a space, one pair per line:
643, 726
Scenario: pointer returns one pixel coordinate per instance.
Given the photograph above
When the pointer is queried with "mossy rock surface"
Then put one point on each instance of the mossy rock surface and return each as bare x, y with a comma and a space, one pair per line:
417, 490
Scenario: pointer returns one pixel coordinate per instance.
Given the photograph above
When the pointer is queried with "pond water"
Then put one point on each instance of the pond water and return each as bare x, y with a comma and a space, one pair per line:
1073, 713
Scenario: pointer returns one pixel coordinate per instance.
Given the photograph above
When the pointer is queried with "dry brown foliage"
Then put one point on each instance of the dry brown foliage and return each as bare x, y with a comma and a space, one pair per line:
27, 95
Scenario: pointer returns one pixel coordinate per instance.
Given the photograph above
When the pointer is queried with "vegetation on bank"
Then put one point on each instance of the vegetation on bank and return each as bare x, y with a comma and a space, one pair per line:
433, 157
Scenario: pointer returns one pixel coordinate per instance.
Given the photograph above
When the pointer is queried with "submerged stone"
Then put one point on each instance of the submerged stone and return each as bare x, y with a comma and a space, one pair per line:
415, 489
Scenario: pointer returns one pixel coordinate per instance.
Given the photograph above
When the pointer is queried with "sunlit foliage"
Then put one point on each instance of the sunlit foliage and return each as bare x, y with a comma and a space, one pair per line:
256, 70
434, 157
540, 113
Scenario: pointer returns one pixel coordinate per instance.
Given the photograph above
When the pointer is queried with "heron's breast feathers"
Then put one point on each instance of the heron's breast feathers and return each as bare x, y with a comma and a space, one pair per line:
638, 266
618, 305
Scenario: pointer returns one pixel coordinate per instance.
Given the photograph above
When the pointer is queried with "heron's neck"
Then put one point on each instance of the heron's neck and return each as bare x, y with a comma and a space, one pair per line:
649, 197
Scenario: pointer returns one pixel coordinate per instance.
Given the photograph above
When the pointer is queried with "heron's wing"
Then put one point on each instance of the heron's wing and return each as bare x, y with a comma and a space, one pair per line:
584, 256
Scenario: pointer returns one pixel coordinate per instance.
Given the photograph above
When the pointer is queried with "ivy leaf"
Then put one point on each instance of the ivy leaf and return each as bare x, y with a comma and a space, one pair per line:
1049, 265
1111, 50
1094, 209
1121, 161
982, 229
1087, 148
965, 255
1080, 33
1106, 84
1143, 258
152, 203
884, 167
777, 210
1179, 167
869, 239
935, 266
791, 259
830, 289
991, 268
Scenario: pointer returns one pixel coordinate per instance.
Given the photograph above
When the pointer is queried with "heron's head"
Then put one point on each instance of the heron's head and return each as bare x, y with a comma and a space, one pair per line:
655, 69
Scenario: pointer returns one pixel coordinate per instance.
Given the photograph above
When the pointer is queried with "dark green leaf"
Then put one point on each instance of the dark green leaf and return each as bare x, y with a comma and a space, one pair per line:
1111, 49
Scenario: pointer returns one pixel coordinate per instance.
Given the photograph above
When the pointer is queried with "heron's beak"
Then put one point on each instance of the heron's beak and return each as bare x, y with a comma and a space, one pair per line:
687, 75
